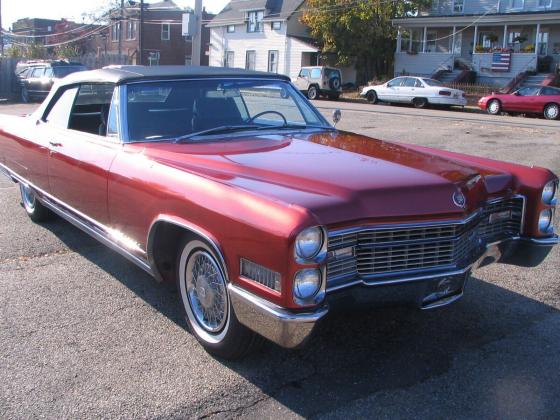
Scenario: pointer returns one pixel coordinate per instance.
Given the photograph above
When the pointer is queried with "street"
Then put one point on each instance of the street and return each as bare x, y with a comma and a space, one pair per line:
84, 333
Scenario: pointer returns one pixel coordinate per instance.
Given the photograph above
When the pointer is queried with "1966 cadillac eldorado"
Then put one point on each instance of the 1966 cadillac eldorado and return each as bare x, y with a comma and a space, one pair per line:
231, 184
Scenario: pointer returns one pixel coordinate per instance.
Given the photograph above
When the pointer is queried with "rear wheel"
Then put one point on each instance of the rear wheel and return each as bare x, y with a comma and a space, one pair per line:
551, 111
312, 93
210, 317
34, 209
372, 97
420, 102
494, 107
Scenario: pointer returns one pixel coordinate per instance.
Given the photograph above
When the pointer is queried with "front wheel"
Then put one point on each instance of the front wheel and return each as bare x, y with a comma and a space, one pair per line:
312, 93
551, 111
372, 97
210, 317
34, 209
494, 107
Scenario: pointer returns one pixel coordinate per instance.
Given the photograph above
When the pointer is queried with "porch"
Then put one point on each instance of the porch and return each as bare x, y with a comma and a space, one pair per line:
526, 46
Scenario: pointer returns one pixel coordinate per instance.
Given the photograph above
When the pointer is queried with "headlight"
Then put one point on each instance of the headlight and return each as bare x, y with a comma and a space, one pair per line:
307, 283
545, 220
549, 192
309, 242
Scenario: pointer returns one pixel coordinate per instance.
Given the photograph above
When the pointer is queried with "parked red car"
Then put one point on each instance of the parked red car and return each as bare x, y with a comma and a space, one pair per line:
540, 100
231, 184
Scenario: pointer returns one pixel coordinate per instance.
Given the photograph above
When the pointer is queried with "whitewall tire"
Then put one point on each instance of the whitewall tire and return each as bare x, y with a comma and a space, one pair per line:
202, 285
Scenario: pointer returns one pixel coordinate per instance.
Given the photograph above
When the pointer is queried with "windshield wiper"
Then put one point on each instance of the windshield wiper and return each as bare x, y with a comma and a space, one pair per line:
233, 128
217, 130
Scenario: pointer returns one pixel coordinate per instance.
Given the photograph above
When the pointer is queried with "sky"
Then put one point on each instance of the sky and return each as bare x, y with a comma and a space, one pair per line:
13, 10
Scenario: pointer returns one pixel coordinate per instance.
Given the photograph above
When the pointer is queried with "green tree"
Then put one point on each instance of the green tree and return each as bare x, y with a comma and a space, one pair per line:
359, 32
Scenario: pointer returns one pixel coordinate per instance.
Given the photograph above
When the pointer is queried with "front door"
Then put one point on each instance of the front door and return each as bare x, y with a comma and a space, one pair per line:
302, 81
81, 154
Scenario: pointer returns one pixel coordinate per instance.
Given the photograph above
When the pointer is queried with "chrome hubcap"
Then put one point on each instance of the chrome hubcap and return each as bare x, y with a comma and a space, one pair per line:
552, 112
206, 291
28, 197
494, 107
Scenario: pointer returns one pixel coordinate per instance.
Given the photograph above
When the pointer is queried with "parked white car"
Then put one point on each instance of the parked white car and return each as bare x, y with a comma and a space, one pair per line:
418, 91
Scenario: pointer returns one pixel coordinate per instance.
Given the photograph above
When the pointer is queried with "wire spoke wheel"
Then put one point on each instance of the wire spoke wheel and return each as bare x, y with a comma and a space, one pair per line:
206, 291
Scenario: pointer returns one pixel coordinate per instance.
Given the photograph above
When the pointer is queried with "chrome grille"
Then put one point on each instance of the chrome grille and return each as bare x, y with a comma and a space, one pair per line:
391, 250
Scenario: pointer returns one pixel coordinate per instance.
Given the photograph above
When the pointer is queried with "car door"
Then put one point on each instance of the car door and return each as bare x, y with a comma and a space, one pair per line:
390, 91
407, 89
46, 82
33, 82
80, 158
523, 100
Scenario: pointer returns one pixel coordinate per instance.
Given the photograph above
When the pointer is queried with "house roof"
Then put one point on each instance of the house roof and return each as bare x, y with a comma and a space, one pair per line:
236, 10
123, 74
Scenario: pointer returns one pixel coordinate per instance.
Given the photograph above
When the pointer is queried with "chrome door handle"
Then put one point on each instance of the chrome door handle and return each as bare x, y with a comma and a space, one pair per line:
55, 144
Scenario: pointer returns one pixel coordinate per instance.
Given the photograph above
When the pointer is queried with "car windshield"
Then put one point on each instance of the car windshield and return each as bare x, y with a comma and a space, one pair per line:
432, 82
170, 110
60, 72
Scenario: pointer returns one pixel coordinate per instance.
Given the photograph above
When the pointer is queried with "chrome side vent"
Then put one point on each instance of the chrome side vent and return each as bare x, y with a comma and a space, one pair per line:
260, 274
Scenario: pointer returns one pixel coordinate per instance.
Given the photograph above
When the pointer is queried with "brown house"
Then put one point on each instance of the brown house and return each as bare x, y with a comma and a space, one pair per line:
163, 42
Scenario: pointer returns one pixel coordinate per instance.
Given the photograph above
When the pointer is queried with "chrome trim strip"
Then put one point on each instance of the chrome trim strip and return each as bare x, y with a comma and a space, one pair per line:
442, 302
554, 240
83, 222
369, 228
284, 327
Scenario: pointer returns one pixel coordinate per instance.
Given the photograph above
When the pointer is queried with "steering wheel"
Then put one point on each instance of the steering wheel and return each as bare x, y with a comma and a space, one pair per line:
269, 112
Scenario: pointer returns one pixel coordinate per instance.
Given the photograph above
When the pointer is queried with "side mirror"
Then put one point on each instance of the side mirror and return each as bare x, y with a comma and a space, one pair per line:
516, 93
336, 116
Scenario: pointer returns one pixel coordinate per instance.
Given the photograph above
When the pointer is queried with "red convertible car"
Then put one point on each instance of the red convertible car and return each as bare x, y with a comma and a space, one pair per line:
231, 184
537, 100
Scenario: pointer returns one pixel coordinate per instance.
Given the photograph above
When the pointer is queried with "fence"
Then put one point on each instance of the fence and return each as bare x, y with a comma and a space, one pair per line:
8, 79
9, 86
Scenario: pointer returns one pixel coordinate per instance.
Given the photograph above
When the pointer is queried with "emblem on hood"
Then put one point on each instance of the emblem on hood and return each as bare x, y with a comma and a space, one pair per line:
459, 199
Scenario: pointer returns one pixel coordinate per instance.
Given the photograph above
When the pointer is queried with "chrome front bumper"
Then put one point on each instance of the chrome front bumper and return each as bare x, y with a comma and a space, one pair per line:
284, 327
291, 329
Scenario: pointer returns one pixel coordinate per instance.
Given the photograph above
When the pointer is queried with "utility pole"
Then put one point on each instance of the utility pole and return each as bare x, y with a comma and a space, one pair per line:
1, 32
120, 28
197, 37
141, 33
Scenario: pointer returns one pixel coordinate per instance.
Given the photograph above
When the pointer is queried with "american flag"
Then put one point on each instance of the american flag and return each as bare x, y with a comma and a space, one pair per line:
501, 61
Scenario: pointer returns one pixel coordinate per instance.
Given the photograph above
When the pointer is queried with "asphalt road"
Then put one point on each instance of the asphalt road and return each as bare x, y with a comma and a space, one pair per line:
84, 333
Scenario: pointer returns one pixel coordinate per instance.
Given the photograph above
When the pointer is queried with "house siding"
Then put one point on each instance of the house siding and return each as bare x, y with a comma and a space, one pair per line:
290, 49
421, 64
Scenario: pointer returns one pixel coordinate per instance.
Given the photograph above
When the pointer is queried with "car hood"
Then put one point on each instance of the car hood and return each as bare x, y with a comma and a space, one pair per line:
336, 176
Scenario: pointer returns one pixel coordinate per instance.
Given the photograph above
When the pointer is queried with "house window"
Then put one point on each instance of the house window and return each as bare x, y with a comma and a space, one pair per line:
431, 41
131, 30
277, 25
545, 3
116, 32
273, 61
231, 29
486, 39
229, 60
165, 31
153, 58
250, 60
517, 4
255, 21
458, 6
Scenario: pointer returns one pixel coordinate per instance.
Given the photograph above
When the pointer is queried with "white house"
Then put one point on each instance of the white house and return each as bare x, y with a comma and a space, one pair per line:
264, 35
